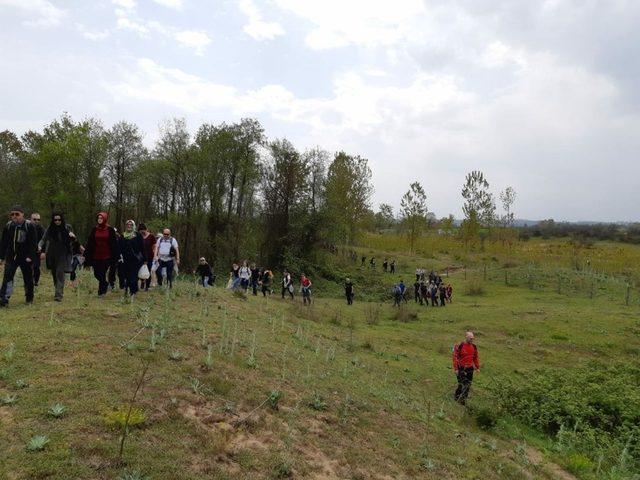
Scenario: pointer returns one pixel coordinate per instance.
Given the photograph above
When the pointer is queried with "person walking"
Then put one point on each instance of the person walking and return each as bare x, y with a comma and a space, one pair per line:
245, 276
348, 291
287, 284
392, 267
35, 219
398, 293
266, 280
149, 252
363, 260
305, 288
465, 361
56, 245
167, 256
205, 272
102, 250
255, 278
18, 249
449, 292
442, 291
131, 257
385, 265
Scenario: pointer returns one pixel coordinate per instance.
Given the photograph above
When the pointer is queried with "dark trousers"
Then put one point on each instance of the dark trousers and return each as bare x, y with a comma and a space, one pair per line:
112, 267
10, 268
169, 266
442, 298
434, 301
36, 269
58, 274
286, 290
100, 268
130, 274
254, 286
349, 298
266, 289
465, 377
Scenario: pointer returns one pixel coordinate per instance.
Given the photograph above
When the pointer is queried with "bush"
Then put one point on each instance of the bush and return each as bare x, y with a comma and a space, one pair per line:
578, 464
592, 410
372, 313
486, 418
405, 315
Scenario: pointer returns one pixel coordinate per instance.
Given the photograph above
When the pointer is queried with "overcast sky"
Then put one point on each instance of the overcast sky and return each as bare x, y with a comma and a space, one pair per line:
539, 95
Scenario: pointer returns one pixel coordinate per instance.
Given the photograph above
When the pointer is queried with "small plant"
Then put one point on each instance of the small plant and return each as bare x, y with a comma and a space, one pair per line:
133, 475
197, 387
20, 383
405, 315
37, 443
372, 313
274, 398
318, 403
10, 352
123, 416
579, 464
474, 288
176, 355
208, 360
57, 410
9, 399
486, 418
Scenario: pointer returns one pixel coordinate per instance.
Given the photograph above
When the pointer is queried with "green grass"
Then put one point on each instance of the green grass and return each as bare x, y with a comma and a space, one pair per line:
356, 398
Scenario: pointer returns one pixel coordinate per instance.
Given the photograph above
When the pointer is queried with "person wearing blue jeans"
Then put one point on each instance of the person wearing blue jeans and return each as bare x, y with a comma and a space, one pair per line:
167, 252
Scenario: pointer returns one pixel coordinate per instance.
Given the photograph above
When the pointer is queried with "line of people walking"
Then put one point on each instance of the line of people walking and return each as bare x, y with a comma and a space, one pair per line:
131, 256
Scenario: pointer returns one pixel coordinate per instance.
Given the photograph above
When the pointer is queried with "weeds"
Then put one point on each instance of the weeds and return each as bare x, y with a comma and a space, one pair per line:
37, 443
57, 410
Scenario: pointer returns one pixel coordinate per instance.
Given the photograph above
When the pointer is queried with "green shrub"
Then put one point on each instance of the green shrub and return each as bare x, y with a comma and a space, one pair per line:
578, 464
486, 418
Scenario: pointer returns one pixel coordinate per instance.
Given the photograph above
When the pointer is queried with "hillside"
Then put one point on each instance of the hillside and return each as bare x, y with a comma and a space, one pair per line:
264, 388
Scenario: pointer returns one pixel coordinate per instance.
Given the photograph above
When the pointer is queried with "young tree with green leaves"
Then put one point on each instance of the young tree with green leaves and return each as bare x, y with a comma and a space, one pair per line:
413, 212
478, 208
348, 190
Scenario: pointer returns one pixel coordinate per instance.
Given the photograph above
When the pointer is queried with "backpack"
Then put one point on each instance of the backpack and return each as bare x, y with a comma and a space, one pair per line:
172, 250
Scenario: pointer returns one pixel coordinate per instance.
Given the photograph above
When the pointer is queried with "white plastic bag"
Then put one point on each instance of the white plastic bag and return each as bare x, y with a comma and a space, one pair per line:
154, 266
143, 273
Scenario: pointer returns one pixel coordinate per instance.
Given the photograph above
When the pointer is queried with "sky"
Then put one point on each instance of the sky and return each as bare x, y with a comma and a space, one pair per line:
541, 95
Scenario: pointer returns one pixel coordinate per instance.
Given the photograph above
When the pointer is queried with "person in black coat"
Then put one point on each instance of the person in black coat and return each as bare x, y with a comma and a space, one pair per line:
56, 243
35, 219
18, 249
131, 256
101, 250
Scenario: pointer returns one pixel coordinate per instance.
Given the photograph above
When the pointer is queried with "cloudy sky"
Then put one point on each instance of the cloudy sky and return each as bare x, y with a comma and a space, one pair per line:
540, 95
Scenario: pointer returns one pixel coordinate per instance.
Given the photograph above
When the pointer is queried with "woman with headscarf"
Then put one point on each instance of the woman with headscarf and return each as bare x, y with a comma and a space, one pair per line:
102, 250
56, 245
131, 256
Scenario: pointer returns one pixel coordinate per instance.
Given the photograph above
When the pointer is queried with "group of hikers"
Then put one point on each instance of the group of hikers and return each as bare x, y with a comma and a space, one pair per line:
244, 276
131, 256
387, 266
426, 289
134, 254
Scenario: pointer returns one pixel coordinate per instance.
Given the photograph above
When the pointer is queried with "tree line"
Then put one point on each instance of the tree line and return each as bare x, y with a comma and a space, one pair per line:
227, 191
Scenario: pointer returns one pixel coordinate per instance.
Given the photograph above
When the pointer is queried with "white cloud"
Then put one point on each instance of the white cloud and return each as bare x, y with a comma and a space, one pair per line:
197, 40
338, 23
126, 5
257, 28
177, 4
41, 13
94, 36
194, 39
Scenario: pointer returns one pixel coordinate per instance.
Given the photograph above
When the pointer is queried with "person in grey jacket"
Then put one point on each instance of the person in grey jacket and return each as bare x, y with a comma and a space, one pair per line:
56, 244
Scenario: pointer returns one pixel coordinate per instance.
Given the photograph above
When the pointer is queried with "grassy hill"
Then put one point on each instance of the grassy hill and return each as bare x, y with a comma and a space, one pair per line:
235, 387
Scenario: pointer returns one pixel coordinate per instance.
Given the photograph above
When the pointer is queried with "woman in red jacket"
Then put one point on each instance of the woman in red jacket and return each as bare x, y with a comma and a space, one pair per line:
465, 361
102, 250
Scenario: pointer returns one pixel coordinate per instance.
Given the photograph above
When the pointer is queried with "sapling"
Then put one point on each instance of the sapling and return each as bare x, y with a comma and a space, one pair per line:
198, 387
125, 426
152, 340
208, 361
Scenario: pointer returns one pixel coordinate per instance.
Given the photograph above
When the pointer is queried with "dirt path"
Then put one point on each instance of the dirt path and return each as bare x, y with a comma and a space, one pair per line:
536, 457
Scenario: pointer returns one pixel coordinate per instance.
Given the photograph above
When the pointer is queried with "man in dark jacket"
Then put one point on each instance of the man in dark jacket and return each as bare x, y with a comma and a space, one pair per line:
35, 219
18, 248
465, 361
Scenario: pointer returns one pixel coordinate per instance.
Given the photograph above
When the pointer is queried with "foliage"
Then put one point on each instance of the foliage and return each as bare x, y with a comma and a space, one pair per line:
591, 409
118, 417
57, 410
37, 443
413, 211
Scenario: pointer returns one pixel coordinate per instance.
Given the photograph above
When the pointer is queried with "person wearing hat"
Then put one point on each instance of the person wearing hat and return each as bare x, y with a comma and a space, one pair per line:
465, 361
18, 248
